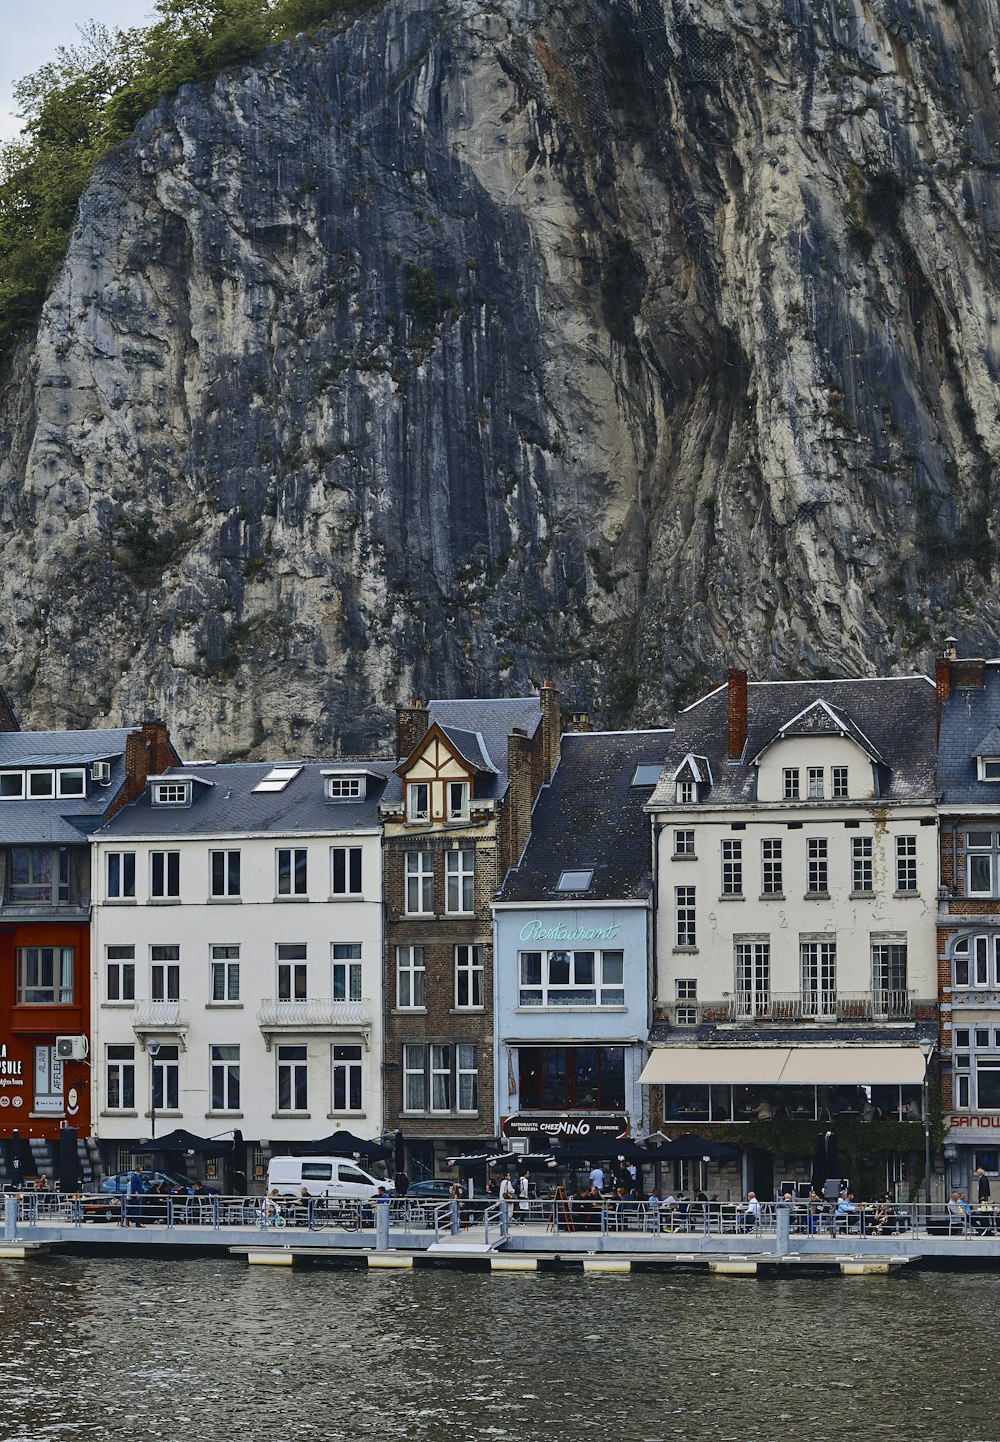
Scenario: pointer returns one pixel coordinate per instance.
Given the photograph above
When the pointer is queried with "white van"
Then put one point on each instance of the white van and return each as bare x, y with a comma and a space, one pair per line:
332, 1177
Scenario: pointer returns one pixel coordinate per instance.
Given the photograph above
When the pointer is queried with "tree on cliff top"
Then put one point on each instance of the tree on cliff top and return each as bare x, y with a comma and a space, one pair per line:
89, 98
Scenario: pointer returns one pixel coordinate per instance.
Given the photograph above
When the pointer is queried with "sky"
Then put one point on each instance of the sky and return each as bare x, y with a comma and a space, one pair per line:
32, 31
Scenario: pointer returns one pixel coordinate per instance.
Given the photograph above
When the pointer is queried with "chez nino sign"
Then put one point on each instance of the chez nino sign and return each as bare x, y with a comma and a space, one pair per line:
594, 1128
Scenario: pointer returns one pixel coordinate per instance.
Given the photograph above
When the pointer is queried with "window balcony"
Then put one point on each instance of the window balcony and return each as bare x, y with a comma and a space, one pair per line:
317, 1015
156, 1018
824, 1006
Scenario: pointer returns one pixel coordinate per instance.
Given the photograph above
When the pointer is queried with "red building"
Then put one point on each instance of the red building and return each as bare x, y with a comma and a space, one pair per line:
56, 787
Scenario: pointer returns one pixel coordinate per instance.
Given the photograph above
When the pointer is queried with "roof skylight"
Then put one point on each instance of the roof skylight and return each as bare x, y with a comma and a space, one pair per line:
575, 880
278, 778
646, 775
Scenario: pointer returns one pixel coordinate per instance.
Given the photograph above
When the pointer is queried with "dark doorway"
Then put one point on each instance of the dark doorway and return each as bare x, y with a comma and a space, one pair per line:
762, 1175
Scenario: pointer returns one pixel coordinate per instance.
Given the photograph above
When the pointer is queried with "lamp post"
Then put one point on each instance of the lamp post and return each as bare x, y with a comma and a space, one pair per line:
153, 1047
927, 1048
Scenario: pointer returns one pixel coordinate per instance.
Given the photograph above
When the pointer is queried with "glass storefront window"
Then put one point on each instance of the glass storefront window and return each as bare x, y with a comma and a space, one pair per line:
568, 1078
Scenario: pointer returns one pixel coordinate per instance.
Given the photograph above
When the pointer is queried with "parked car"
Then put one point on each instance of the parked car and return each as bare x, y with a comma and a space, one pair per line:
437, 1189
152, 1181
334, 1178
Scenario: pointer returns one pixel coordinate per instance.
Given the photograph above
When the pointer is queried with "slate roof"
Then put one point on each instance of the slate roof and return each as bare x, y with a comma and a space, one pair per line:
968, 719
895, 716
483, 727
59, 821
229, 804
590, 815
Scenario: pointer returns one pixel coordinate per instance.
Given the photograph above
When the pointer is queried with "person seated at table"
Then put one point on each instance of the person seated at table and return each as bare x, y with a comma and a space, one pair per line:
958, 1216
751, 1213
911, 1112
881, 1215
764, 1110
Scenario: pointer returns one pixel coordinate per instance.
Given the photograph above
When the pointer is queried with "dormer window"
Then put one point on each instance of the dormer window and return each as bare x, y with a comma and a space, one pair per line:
72, 783
988, 768
11, 785
458, 800
345, 788
418, 801
41, 783
685, 792
171, 793
790, 783
838, 782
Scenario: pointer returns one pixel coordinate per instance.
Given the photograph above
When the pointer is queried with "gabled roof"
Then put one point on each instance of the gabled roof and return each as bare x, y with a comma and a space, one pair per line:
698, 767
486, 724
970, 720
891, 718
470, 746
59, 821
819, 718
990, 744
591, 816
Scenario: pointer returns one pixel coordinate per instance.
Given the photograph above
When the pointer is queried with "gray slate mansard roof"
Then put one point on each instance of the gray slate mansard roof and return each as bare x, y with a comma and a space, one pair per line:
228, 805
479, 731
968, 718
590, 815
67, 820
895, 714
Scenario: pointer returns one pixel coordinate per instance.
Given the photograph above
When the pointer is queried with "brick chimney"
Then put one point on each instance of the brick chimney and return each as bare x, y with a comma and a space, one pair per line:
736, 713
136, 773
551, 727
411, 727
521, 794
942, 679
161, 754
8, 721
578, 721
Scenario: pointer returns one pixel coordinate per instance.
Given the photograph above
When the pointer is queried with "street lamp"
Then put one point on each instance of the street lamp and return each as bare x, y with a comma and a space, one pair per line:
153, 1047
927, 1050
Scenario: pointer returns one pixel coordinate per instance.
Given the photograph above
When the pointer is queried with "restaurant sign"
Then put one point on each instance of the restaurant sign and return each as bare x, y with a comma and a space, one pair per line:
574, 1129
966, 1120
11, 1069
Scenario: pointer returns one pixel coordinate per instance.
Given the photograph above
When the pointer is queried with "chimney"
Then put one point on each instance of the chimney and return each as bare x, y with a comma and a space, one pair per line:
737, 712
521, 794
8, 721
942, 679
161, 754
136, 773
411, 727
551, 727
578, 721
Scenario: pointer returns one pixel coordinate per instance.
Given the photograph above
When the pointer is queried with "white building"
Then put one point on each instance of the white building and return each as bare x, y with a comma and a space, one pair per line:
797, 874
237, 926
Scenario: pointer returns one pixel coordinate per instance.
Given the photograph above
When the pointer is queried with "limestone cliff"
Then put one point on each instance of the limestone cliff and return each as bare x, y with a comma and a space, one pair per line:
611, 342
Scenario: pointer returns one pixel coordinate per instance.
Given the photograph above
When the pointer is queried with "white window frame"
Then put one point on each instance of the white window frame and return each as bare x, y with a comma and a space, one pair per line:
817, 866
684, 843
291, 960
170, 874
752, 965
460, 881
906, 864
411, 978
347, 1063
466, 1077
685, 792
815, 783
78, 774
862, 866
418, 883
122, 864
224, 1070
40, 786
224, 968
165, 972
605, 990
732, 867
469, 972
839, 783
227, 889
457, 791
418, 801
119, 1077
61, 992
818, 971
292, 877
119, 974
296, 1071
415, 1072
790, 787
170, 793
981, 852
166, 1078
771, 867
352, 864
344, 788
348, 965
685, 917
978, 954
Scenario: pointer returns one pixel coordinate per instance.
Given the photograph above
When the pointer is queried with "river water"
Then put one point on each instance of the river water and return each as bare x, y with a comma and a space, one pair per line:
210, 1349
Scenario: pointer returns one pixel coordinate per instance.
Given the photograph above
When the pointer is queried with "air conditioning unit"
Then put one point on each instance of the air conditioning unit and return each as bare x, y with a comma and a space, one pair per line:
518, 1146
100, 771
72, 1048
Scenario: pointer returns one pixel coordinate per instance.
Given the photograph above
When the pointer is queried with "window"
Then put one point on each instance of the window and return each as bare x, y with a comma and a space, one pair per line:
120, 874
418, 801
790, 783
838, 782
291, 871
753, 978
41, 784
346, 1079
225, 871
347, 971
559, 1078
683, 843
225, 1068
906, 863
572, 978
459, 881
468, 976
685, 792
171, 793
771, 883
344, 788
225, 973
440, 1078
165, 973
575, 880
686, 994
38, 874
45, 975
291, 958
278, 778
167, 1079
814, 783
645, 774
346, 870
119, 973
684, 908
71, 783
11, 785
817, 869
819, 978
988, 768
977, 1067
861, 864
164, 873
976, 960
293, 1078
457, 795
889, 977
410, 976
732, 868
414, 1078
419, 883
982, 872
119, 1075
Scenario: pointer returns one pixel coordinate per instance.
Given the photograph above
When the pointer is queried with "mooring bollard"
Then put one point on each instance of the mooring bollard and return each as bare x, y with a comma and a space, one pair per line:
783, 1217
9, 1219
382, 1222
455, 1221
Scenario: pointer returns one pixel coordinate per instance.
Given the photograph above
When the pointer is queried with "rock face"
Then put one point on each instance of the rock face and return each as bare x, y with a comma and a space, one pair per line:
611, 342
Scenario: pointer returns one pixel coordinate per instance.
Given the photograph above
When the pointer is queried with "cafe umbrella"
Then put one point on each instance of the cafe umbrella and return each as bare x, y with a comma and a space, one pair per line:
345, 1144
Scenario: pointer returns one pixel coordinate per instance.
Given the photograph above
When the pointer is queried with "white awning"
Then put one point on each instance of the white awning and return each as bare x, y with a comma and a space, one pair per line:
889, 1065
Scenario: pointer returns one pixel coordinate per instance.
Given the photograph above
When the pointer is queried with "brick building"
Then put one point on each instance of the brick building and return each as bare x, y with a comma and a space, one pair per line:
456, 814
968, 929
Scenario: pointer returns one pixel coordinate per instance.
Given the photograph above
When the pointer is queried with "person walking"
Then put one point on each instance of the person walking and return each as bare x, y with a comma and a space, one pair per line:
508, 1195
132, 1202
597, 1177
984, 1195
